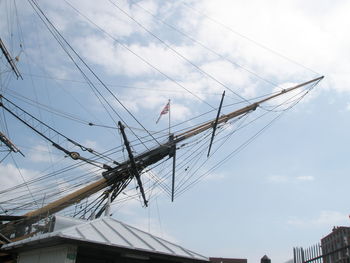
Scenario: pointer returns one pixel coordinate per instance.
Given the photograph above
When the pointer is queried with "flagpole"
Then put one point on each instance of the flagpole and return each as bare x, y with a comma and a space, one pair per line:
165, 110
169, 116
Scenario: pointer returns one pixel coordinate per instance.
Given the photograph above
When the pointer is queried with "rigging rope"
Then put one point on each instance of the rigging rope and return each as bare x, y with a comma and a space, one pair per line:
141, 58
178, 53
58, 34
215, 21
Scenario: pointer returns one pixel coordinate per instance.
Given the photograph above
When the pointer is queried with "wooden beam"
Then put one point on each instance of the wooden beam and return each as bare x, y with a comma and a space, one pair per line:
68, 200
215, 123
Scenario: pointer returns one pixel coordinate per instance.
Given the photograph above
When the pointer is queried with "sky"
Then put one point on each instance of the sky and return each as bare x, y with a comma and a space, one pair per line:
287, 188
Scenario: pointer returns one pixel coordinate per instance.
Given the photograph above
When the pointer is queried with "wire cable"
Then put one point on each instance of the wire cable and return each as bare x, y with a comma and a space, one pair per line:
178, 53
89, 68
134, 53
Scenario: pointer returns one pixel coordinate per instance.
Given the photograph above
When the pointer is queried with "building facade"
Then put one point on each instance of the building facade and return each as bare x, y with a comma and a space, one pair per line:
335, 246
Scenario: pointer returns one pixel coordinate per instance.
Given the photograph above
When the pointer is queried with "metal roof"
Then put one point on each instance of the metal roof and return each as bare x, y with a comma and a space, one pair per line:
111, 232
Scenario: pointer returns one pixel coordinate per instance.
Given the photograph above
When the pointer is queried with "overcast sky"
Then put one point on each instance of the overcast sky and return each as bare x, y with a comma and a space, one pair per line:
287, 188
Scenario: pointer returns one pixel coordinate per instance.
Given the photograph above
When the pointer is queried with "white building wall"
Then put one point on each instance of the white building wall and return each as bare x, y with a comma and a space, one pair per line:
57, 254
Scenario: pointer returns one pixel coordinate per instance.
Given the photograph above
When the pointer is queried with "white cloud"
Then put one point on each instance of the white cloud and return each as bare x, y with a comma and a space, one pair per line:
120, 60
325, 218
116, 60
214, 177
11, 176
331, 217
104, 14
144, 99
228, 74
278, 179
91, 144
41, 153
314, 40
305, 178
180, 112
317, 41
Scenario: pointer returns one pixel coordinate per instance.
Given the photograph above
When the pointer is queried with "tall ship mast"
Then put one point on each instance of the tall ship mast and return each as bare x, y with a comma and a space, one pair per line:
118, 177
108, 173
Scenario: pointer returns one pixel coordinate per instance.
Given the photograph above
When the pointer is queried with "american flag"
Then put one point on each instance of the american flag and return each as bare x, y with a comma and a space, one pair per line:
165, 110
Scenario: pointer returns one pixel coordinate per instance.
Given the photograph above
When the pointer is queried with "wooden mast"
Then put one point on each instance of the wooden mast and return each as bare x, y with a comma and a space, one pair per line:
69, 199
251, 107
104, 182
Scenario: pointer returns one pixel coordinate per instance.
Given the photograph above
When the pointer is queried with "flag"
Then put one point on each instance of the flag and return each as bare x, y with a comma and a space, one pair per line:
165, 110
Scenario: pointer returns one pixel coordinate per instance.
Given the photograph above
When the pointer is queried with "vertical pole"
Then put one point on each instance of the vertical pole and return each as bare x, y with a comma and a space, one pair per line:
215, 123
315, 252
86, 203
169, 116
149, 219
108, 206
302, 255
311, 253
43, 202
134, 168
173, 155
173, 178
